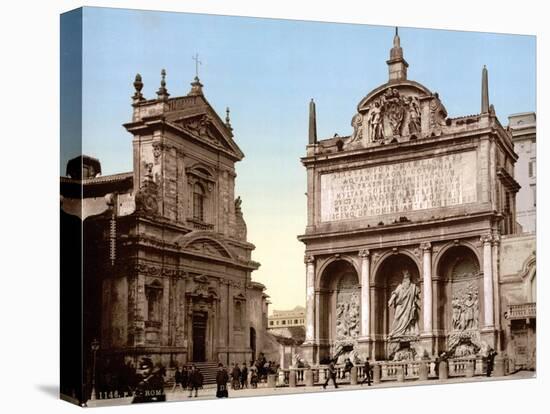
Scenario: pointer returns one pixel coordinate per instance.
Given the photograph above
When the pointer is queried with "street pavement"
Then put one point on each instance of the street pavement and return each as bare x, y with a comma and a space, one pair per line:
209, 392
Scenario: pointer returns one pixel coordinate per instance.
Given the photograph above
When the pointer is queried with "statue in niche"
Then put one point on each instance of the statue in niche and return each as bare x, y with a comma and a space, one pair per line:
414, 115
406, 301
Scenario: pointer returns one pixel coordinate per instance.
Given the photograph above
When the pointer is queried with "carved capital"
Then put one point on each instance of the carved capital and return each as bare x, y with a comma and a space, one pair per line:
309, 259
486, 238
425, 246
496, 239
364, 253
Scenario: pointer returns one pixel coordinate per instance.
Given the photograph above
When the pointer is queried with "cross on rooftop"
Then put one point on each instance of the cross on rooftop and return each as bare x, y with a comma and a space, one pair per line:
197, 63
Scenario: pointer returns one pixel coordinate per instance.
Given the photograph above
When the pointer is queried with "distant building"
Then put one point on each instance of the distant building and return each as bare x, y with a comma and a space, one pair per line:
287, 318
288, 329
523, 127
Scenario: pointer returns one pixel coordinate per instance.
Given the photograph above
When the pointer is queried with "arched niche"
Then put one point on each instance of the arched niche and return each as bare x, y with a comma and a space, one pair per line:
338, 305
388, 275
459, 291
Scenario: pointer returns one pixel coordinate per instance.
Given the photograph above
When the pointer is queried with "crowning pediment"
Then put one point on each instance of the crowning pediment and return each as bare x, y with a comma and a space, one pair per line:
395, 110
204, 127
196, 117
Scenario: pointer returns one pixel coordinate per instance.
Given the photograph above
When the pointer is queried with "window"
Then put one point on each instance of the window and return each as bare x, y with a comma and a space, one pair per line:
198, 202
270, 323
532, 168
238, 316
534, 191
284, 323
295, 321
153, 294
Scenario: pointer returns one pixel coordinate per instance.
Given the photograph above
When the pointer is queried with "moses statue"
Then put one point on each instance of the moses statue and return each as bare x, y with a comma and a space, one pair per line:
406, 301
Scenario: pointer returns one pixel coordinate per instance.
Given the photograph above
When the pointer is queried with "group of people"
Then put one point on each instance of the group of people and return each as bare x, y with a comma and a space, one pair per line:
348, 365
189, 378
192, 379
239, 376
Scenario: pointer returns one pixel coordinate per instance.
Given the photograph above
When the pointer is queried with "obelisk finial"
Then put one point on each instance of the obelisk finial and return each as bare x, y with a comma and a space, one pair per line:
484, 90
312, 123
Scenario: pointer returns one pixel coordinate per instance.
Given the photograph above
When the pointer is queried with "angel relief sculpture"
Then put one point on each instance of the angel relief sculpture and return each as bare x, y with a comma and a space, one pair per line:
414, 115
376, 127
357, 124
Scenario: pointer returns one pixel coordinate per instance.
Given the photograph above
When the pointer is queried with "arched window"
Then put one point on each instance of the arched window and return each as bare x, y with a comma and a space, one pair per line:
198, 202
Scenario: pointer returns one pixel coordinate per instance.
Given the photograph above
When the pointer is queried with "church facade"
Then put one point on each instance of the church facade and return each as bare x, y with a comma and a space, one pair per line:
411, 238
167, 264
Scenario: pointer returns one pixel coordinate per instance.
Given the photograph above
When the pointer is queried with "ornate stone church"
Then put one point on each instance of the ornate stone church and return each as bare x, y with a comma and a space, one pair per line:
411, 244
167, 263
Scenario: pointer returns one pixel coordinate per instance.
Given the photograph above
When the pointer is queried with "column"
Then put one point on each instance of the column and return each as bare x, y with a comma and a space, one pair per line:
310, 298
487, 280
496, 288
427, 281
365, 292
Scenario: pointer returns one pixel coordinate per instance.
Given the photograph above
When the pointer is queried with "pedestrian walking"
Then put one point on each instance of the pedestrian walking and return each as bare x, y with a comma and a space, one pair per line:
185, 377
221, 382
244, 376
331, 375
367, 370
253, 377
300, 365
490, 361
195, 381
177, 380
348, 365
236, 377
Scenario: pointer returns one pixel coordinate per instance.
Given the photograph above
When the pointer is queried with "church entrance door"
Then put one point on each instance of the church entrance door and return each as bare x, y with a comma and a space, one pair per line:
199, 336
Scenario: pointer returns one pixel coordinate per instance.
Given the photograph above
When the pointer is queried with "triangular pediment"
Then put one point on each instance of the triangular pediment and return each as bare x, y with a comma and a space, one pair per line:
197, 118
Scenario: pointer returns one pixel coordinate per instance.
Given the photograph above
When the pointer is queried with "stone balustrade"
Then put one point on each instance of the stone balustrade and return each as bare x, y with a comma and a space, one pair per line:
389, 371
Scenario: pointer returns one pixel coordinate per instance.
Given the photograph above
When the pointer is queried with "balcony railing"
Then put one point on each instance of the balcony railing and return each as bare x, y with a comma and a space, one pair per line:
200, 225
522, 311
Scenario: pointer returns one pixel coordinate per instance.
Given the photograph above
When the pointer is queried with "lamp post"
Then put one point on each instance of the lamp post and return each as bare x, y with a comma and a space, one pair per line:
95, 348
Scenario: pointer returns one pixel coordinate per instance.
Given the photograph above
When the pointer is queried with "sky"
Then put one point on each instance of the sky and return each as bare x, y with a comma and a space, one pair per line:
266, 71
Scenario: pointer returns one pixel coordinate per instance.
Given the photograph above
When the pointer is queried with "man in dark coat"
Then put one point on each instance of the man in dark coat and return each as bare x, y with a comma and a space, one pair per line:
151, 384
490, 361
347, 368
244, 376
221, 382
195, 381
366, 370
184, 377
177, 379
236, 377
331, 375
